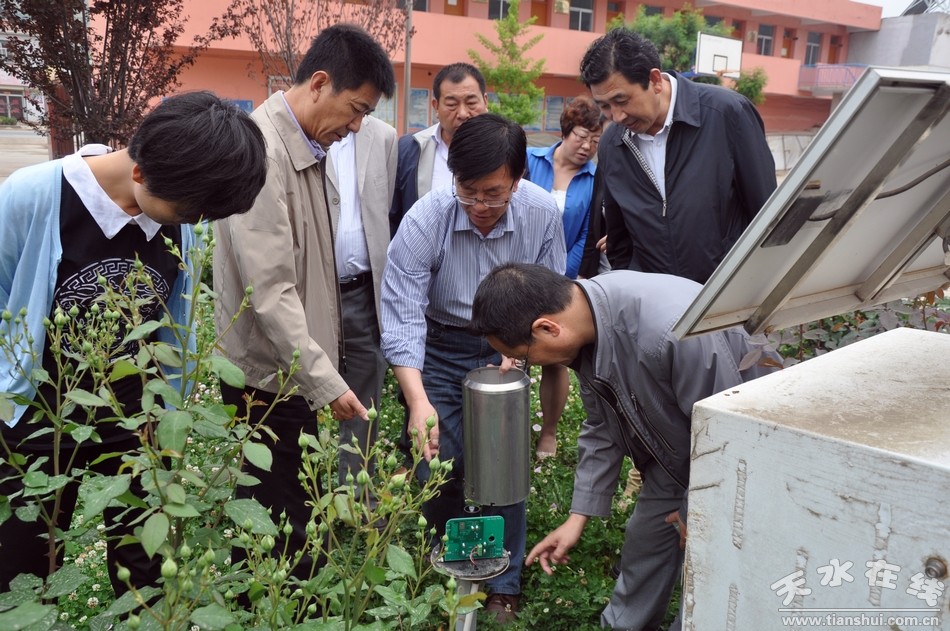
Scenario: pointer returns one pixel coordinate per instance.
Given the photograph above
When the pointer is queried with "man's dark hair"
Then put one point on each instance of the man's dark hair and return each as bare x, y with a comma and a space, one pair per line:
351, 57
513, 296
201, 153
483, 144
456, 73
620, 50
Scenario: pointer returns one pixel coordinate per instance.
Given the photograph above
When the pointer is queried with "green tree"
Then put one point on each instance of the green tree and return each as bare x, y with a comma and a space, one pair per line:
675, 37
751, 84
512, 75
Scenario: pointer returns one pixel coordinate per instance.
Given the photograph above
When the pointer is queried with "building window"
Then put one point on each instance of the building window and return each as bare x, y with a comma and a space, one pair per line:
615, 11
582, 15
765, 40
497, 9
652, 10
418, 108
788, 43
3, 49
417, 5
813, 49
712, 20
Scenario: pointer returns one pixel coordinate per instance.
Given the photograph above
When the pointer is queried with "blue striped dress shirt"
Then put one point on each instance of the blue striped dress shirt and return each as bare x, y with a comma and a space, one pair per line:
438, 258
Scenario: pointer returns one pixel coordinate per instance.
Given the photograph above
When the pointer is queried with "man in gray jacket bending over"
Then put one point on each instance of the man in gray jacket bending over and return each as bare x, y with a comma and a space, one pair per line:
639, 384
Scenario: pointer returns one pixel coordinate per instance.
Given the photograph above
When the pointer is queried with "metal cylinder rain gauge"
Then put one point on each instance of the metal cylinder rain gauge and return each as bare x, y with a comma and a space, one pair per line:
495, 424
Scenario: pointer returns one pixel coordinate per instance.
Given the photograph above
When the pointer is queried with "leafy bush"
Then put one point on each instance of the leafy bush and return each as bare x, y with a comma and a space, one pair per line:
751, 85
8, 120
189, 460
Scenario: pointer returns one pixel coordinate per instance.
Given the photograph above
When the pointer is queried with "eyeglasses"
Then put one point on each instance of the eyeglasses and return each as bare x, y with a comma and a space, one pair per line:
592, 140
471, 201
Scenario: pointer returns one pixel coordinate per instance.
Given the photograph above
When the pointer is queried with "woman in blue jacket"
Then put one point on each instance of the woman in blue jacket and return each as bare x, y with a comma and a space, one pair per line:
566, 169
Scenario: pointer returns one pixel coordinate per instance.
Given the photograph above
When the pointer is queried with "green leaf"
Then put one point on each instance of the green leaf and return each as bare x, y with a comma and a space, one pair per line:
81, 433
175, 493
100, 490
154, 533
400, 561
210, 429
86, 399
142, 331
166, 391
167, 354
391, 596
258, 455
35, 479
193, 478
212, 617
374, 574
227, 371
242, 510
6, 409
173, 430
341, 504
123, 368
28, 513
181, 510
65, 580
128, 601
5, 511
24, 616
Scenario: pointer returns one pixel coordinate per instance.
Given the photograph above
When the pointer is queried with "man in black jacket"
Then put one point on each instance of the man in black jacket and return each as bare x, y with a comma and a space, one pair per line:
685, 168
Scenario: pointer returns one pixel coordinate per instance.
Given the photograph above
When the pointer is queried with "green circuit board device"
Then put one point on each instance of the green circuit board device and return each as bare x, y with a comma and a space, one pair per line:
471, 538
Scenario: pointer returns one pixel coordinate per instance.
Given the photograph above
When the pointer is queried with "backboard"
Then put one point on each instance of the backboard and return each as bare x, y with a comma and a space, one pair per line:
718, 56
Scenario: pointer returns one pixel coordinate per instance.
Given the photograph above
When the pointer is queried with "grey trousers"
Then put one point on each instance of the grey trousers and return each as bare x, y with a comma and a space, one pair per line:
651, 560
365, 370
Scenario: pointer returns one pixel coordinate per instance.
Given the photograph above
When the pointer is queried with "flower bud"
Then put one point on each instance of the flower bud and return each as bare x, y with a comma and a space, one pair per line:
362, 478
169, 569
133, 622
248, 290
303, 441
430, 422
434, 464
450, 584
422, 521
397, 481
391, 461
123, 574
267, 543
288, 529
184, 551
371, 413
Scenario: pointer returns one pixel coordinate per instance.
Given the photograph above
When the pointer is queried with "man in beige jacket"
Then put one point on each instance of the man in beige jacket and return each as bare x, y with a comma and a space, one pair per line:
284, 249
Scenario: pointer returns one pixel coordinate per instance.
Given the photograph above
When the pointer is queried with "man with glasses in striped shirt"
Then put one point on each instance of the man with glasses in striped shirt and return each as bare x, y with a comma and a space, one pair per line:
446, 244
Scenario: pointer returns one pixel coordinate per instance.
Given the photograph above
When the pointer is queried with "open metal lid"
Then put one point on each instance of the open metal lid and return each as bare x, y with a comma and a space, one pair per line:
861, 219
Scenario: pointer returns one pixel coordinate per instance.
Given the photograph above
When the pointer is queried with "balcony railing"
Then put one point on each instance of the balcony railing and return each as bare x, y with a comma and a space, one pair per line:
829, 78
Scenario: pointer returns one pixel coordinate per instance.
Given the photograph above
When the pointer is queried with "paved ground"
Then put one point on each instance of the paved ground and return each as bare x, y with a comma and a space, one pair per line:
20, 147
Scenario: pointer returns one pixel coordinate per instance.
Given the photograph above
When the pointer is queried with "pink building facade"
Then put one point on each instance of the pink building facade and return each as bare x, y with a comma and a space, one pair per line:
790, 41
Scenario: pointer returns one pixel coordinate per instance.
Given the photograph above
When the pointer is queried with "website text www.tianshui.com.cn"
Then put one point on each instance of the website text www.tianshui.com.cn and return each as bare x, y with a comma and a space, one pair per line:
861, 620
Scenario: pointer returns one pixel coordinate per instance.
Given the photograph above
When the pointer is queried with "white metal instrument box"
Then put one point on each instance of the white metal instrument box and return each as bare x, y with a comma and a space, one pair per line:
820, 495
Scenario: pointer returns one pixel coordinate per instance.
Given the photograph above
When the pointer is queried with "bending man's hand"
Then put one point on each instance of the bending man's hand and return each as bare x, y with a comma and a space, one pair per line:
420, 410
680, 525
427, 439
553, 549
346, 406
